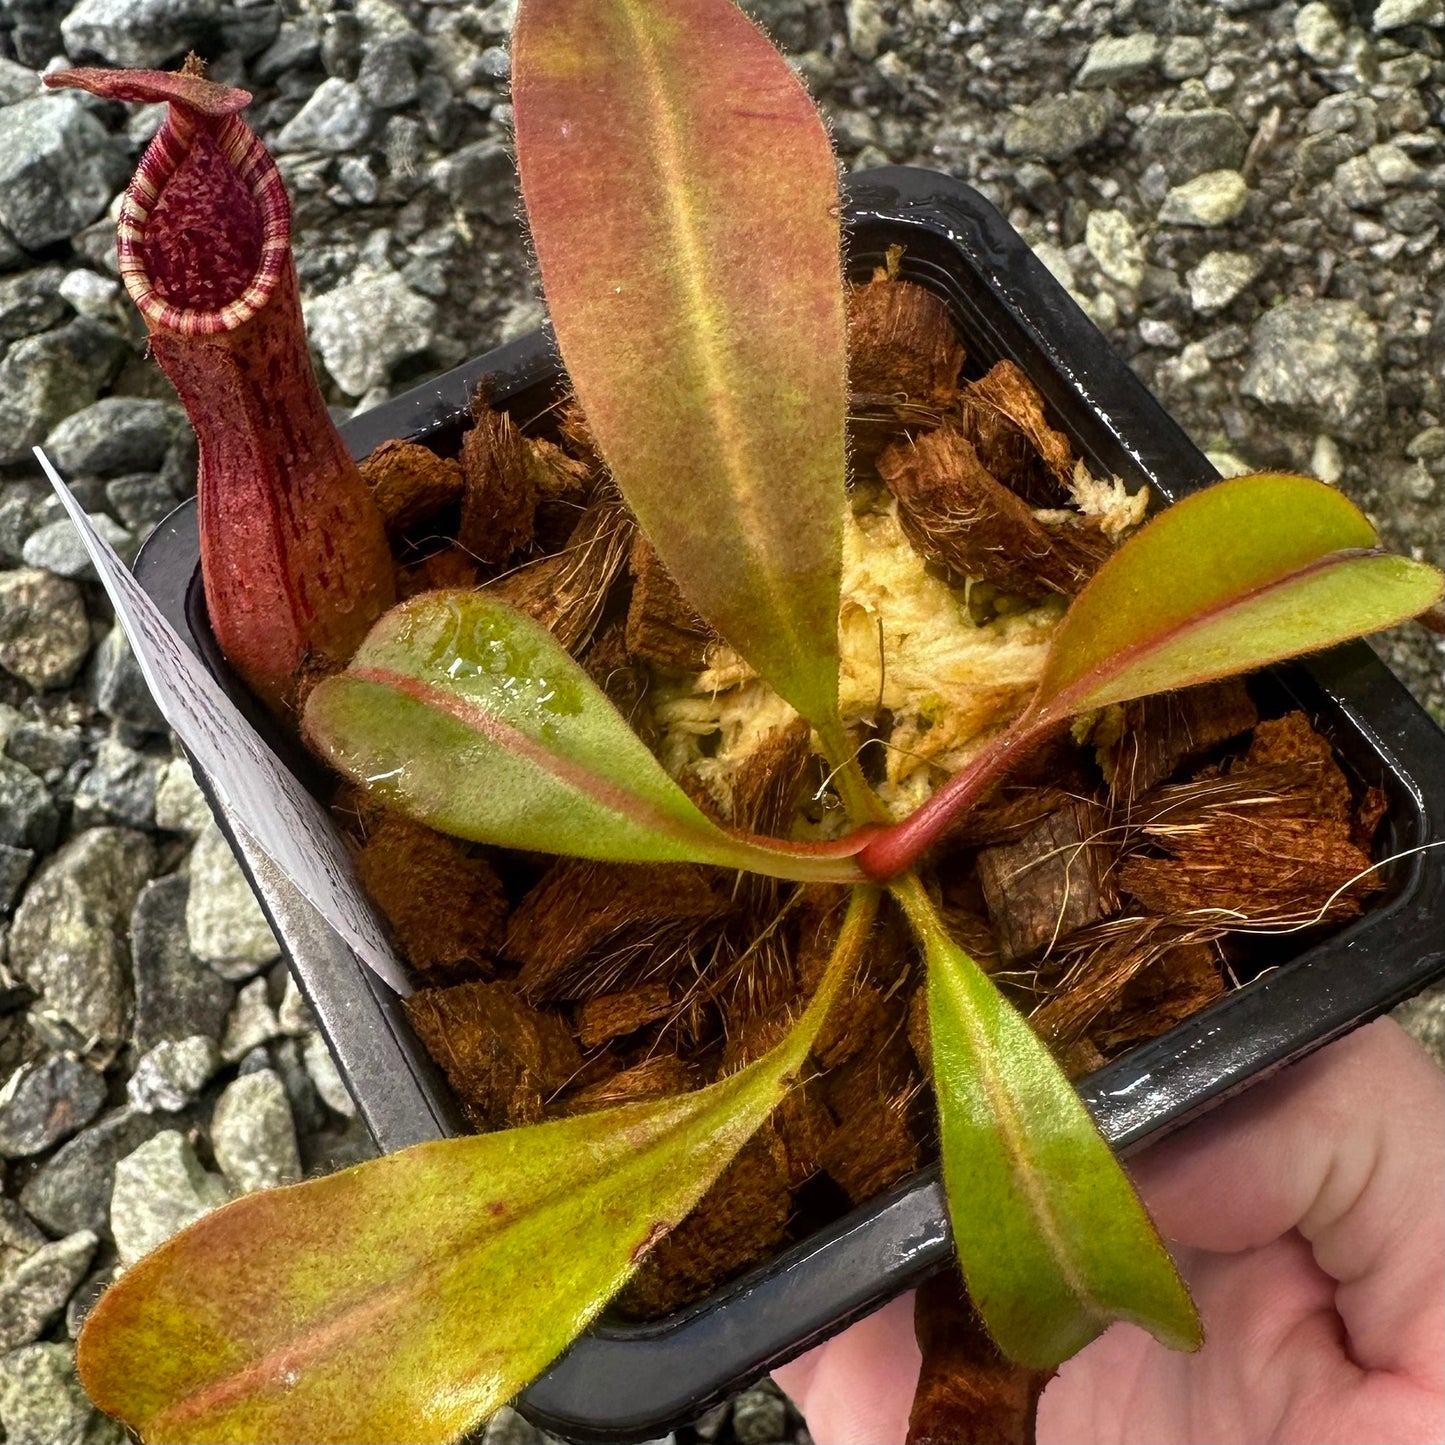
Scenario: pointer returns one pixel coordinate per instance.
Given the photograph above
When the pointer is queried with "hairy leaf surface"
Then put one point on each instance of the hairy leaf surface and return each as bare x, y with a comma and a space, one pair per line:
469, 716
1053, 1240
683, 200
408, 1297
1244, 573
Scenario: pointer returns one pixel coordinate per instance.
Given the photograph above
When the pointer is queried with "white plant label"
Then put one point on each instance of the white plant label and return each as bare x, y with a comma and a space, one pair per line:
260, 796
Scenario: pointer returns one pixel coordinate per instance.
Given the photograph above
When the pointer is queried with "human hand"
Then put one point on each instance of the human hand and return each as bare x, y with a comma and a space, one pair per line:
1308, 1217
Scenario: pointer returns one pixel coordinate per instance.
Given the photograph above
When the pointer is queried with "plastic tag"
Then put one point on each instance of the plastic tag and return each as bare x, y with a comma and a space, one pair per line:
261, 798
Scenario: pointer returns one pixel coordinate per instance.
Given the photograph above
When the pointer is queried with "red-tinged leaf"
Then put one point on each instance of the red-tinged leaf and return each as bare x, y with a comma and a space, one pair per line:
1054, 1243
683, 200
408, 1297
1244, 573
1247, 572
469, 716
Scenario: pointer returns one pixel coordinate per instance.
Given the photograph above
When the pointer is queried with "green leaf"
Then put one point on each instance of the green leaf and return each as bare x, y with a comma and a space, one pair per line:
1053, 1240
469, 716
408, 1297
1244, 573
683, 201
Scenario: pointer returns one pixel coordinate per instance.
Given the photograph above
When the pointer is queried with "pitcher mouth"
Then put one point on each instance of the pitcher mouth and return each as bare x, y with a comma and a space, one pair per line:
205, 227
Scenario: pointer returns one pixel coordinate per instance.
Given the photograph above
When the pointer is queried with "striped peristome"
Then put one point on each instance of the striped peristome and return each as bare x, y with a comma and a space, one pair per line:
293, 553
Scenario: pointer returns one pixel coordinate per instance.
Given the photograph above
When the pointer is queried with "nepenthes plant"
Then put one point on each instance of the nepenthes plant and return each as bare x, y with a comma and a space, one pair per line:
683, 201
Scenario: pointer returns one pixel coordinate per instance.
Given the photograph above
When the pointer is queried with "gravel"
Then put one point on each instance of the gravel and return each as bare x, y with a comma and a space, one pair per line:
224, 922
46, 1101
44, 631
177, 995
59, 168
1244, 197
253, 1134
68, 941
159, 1190
34, 1293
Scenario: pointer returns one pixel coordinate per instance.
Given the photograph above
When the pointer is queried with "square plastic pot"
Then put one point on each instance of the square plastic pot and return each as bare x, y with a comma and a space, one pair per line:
635, 1382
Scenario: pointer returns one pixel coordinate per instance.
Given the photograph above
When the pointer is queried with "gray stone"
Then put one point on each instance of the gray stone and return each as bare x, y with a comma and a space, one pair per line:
358, 179
15, 866
1393, 166
45, 750
159, 1190
1423, 1017
45, 377
253, 1134
1319, 34
68, 938
140, 501
57, 546
17, 82
1189, 142
226, 926
293, 1013
495, 62
366, 326
1358, 184
481, 180
867, 28
1220, 277
31, 302
307, 1111
58, 168
249, 26
1396, 14
90, 294
41, 1399
114, 435
176, 995
119, 788
1413, 214
1054, 128
1114, 244
181, 807
19, 1238
297, 46
1113, 59
46, 1101
1185, 56
327, 1077
144, 34
27, 815
35, 1291
387, 76
172, 1075
1427, 445
44, 632
119, 687
336, 119
1212, 199
251, 1023
1318, 363
760, 1416
71, 1190
19, 500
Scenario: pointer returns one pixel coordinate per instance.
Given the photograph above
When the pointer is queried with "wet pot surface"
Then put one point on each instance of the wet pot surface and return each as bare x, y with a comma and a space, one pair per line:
624, 1382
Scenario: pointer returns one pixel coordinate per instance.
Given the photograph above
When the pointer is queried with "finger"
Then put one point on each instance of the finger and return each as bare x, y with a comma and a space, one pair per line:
857, 1389
1348, 1147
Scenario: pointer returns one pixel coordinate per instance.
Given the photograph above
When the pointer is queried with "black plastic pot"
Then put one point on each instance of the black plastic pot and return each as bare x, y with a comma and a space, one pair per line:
633, 1382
